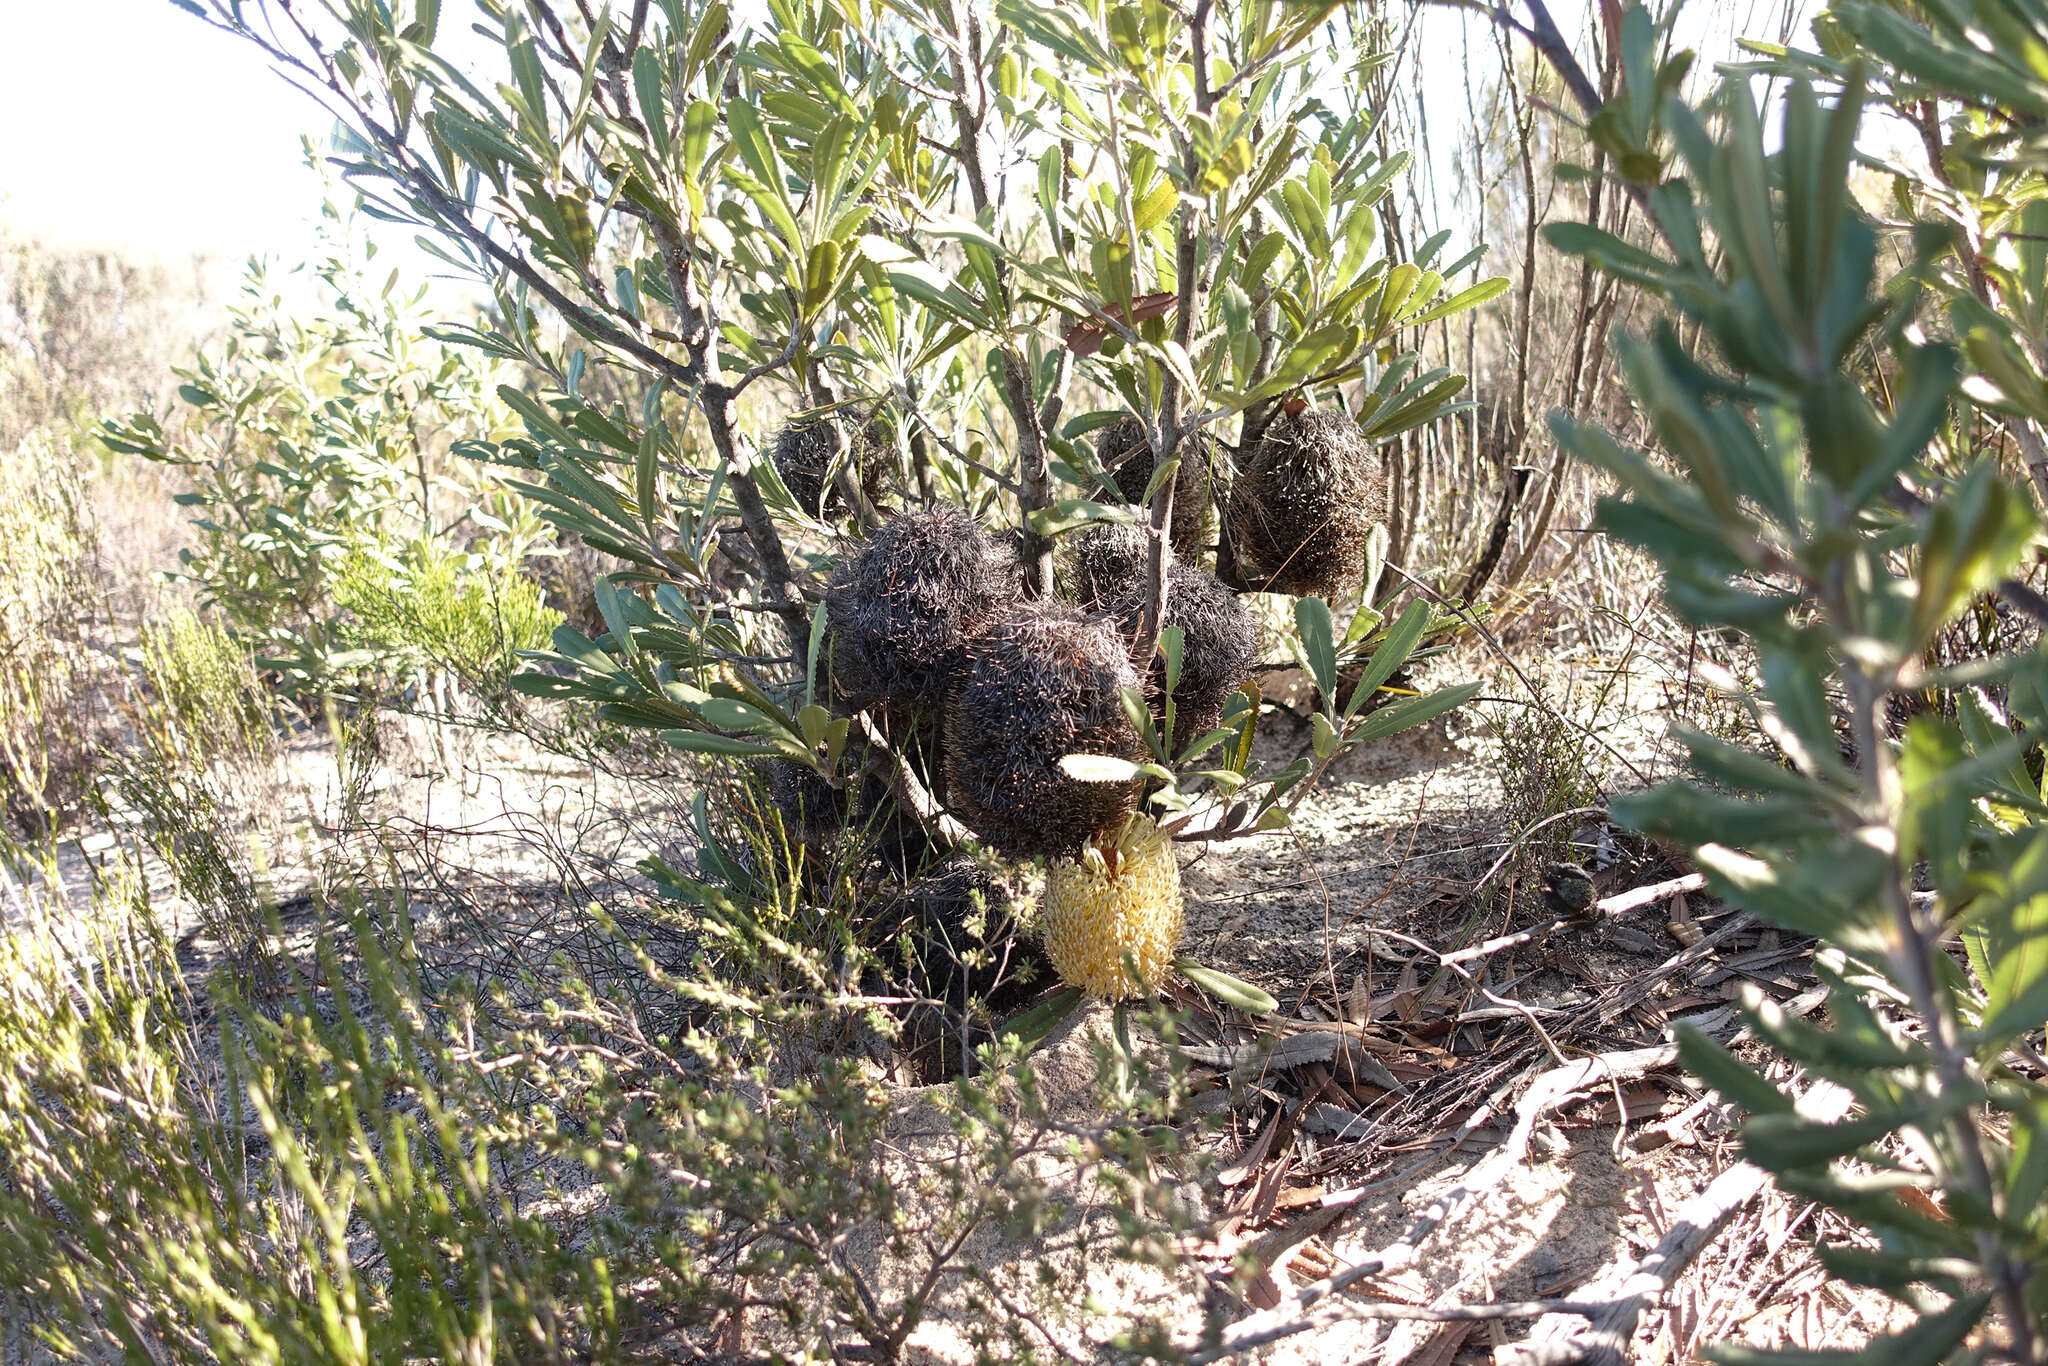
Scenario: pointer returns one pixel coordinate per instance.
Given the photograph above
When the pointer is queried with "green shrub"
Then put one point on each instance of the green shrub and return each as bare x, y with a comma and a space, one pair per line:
313, 434
423, 607
1828, 493
204, 699
724, 214
84, 329
378, 1158
59, 680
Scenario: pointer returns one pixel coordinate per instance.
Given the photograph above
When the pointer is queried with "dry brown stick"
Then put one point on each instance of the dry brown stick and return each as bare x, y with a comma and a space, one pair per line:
1630, 1290
1320, 1302
1621, 903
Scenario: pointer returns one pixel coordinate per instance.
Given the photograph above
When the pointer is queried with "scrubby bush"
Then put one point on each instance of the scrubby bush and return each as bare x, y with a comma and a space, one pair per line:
665, 240
675, 213
60, 681
314, 435
422, 607
373, 1160
202, 698
84, 329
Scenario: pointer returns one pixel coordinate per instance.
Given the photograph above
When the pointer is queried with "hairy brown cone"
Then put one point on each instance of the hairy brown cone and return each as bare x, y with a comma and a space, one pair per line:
803, 455
1122, 451
1305, 501
1044, 683
901, 604
962, 923
1219, 644
1102, 562
814, 812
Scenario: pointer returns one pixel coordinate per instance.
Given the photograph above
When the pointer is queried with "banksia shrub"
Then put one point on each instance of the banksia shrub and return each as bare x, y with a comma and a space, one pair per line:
1104, 561
1043, 684
1219, 643
804, 453
1121, 450
901, 604
1112, 905
1304, 502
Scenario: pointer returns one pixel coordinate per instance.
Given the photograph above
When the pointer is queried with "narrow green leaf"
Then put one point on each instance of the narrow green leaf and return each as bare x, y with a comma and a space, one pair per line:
704, 742
1035, 1024
1319, 647
1232, 991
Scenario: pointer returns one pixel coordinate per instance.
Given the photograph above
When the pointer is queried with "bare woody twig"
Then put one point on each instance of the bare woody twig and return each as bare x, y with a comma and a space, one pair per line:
1619, 904
1172, 435
1033, 476
1515, 482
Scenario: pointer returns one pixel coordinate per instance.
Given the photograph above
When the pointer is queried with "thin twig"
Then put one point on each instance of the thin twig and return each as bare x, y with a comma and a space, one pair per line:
1621, 903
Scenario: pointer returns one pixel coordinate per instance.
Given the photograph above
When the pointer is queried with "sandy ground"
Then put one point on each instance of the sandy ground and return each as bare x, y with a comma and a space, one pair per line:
1394, 841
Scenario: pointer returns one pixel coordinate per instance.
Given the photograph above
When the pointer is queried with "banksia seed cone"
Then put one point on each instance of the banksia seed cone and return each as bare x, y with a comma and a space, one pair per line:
1043, 684
1219, 643
901, 605
1305, 501
803, 456
962, 923
1104, 561
1111, 904
1123, 452
814, 812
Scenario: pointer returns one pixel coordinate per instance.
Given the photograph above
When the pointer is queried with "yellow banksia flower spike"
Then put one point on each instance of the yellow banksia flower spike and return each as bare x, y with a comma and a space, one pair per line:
1113, 904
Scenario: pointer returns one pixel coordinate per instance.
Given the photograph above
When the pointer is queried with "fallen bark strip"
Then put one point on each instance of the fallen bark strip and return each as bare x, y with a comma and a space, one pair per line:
1320, 1302
1621, 903
1628, 1292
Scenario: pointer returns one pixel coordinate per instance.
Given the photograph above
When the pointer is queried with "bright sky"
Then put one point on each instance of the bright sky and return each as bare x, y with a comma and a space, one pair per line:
130, 122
